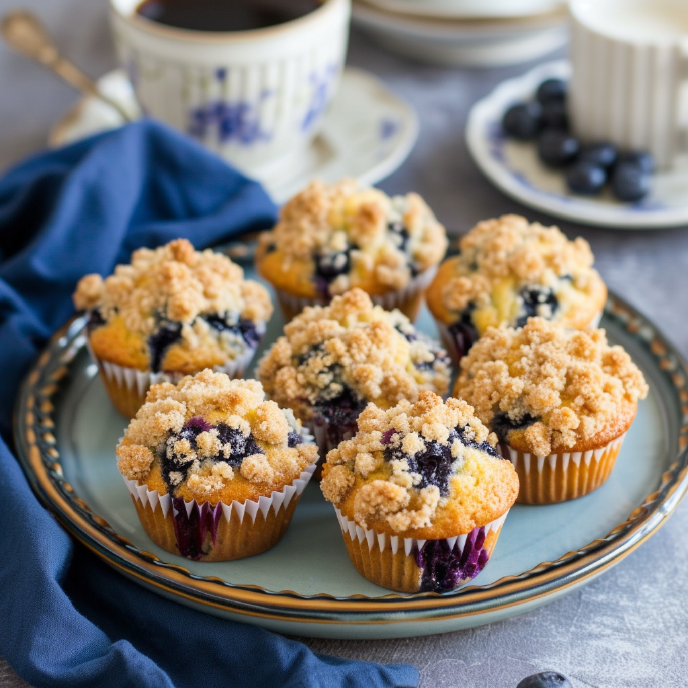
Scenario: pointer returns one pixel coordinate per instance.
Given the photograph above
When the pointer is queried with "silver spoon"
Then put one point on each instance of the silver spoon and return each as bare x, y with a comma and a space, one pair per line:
24, 32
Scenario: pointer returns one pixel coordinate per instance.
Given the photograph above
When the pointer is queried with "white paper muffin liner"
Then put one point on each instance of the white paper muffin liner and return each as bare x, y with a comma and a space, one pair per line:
562, 476
249, 509
127, 387
412, 565
383, 541
293, 305
203, 532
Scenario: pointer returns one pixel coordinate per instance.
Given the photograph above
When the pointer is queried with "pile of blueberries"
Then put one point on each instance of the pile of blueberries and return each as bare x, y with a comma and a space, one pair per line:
588, 167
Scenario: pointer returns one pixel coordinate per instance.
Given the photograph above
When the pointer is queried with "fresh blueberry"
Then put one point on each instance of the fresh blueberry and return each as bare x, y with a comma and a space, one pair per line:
545, 679
523, 121
586, 178
630, 182
645, 161
551, 89
293, 438
557, 148
554, 114
602, 154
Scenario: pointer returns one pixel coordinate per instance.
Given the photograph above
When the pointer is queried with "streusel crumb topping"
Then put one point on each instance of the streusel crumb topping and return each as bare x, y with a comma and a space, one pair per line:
558, 386
349, 231
417, 466
509, 270
353, 347
173, 283
199, 435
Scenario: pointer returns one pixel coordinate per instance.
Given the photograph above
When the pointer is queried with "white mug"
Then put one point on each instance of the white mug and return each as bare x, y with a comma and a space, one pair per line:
255, 97
629, 84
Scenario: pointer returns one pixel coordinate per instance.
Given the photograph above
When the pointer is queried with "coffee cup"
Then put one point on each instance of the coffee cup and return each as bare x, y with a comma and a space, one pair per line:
629, 83
255, 96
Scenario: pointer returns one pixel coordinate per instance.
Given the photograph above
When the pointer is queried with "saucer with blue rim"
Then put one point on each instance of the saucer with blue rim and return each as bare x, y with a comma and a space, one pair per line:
514, 167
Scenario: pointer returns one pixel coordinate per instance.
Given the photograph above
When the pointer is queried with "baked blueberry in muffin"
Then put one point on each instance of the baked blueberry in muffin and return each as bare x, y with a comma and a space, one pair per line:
333, 360
203, 445
560, 401
171, 312
332, 238
421, 494
508, 271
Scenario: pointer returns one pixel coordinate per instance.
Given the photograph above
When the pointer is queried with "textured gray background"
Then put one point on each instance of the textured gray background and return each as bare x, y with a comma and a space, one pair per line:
628, 629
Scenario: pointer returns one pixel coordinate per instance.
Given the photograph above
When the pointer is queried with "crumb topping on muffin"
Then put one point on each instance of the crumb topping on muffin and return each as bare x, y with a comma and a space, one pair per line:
174, 282
351, 352
426, 470
212, 438
509, 270
351, 236
556, 388
174, 294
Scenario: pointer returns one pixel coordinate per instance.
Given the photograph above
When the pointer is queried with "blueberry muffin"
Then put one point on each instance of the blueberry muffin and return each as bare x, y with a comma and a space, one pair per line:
333, 360
330, 239
559, 400
214, 470
509, 270
172, 312
421, 494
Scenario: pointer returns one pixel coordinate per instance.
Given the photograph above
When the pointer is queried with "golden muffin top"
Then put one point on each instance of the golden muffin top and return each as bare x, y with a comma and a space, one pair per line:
508, 270
545, 388
349, 236
174, 309
426, 470
174, 283
351, 352
213, 439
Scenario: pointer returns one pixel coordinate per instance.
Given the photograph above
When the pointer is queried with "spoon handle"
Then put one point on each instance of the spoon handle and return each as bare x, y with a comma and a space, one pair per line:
24, 32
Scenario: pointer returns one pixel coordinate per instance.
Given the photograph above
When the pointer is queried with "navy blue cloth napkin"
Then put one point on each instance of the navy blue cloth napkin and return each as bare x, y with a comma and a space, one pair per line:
66, 619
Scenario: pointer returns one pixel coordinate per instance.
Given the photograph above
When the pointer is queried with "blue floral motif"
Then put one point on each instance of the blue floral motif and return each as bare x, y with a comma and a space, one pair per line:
319, 96
238, 122
388, 129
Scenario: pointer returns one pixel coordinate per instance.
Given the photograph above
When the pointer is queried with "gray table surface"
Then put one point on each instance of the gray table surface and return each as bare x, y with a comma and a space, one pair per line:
627, 629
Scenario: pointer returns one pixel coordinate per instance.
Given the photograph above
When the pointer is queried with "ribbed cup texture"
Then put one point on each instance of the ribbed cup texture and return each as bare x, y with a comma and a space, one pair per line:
252, 97
564, 476
626, 93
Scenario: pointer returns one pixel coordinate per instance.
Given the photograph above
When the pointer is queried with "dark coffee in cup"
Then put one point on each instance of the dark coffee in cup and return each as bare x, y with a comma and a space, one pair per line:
224, 15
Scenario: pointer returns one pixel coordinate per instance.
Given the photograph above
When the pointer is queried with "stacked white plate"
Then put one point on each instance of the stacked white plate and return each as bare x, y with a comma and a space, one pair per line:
474, 33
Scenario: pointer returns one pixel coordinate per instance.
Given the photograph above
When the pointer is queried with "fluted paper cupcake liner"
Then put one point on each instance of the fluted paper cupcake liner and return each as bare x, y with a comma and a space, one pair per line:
563, 476
203, 532
411, 565
408, 300
127, 387
457, 349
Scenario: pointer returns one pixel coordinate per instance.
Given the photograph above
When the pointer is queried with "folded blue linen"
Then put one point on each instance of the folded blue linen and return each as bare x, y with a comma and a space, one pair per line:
66, 619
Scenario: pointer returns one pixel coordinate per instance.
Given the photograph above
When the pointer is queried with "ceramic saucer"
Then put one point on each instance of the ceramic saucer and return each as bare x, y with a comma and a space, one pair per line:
514, 168
464, 9
366, 134
466, 42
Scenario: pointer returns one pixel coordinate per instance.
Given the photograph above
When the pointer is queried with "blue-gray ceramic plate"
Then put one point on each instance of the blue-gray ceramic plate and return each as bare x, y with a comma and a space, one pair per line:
66, 432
